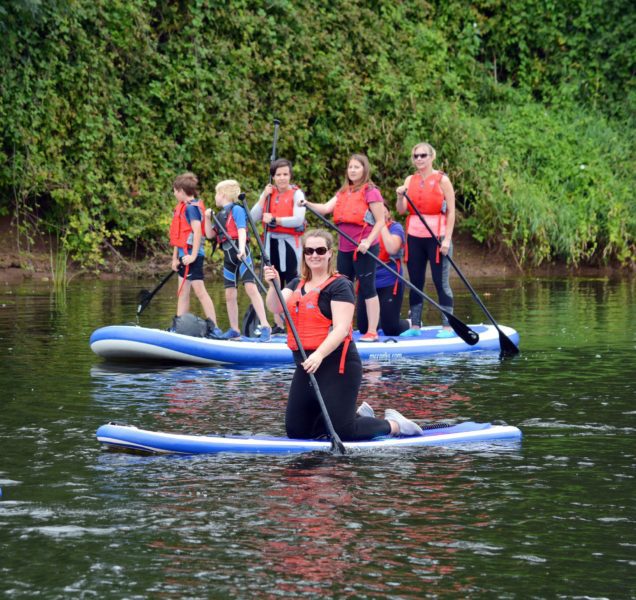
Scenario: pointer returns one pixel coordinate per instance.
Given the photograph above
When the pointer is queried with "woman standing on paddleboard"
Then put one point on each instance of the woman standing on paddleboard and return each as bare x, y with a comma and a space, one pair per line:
279, 208
358, 210
321, 304
432, 193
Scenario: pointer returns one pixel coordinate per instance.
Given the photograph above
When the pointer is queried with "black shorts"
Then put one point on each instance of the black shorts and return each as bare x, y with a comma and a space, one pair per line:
195, 269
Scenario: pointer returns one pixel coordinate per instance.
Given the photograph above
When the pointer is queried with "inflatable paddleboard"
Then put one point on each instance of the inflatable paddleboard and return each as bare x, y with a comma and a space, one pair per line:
129, 342
128, 438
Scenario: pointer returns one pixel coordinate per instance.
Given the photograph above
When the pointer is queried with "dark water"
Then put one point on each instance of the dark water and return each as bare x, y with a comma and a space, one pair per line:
552, 517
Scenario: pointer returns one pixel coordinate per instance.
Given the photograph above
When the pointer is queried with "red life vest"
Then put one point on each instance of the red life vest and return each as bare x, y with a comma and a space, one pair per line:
387, 258
226, 219
427, 194
312, 326
180, 229
351, 206
428, 197
282, 205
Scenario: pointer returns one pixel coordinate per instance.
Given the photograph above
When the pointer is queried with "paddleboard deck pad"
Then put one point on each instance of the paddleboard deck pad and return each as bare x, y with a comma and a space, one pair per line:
134, 343
131, 439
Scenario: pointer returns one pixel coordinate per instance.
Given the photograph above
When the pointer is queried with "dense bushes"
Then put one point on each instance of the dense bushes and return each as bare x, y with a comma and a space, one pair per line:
103, 102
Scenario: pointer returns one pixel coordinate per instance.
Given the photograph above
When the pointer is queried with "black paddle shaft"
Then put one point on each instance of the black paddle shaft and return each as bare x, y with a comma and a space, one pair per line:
461, 329
272, 158
336, 443
146, 297
508, 347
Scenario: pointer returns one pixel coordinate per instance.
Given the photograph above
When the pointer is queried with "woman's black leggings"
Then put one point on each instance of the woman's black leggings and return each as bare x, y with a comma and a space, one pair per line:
390, 306
362, 269
421, 252
291, 271
303, 418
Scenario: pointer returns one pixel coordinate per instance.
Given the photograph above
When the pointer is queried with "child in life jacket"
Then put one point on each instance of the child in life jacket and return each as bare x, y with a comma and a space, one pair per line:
233, 219
186, 237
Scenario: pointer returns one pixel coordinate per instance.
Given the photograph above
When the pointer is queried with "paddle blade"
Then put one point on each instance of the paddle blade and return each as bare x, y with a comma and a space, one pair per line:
250, 322
337, 447
462, 330
143, 298
508, 348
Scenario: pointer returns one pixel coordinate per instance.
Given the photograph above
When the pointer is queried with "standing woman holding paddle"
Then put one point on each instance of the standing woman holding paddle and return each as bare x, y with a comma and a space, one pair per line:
432, 193
321, 306
283, 220
358, 210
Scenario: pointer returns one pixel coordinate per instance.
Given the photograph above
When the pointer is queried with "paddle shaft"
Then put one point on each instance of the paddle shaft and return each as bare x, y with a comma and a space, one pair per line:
461, 329
250, 313
336, 442
146, 301
507, 345
272, 158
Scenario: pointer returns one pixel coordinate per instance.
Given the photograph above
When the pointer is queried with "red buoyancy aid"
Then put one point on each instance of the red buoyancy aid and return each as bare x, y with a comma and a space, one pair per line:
282, 205
351, 206
426, 194
312, 326
227, 220
180, 229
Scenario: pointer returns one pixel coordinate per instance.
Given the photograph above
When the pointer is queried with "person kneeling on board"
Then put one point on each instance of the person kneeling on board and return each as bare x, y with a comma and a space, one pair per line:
321, 304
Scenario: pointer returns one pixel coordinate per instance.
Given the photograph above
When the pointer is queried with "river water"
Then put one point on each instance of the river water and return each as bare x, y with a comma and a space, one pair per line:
550, 517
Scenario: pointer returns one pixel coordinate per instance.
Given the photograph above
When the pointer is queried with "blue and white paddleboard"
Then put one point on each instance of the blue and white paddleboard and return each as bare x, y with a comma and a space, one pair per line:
129, 342
128, 438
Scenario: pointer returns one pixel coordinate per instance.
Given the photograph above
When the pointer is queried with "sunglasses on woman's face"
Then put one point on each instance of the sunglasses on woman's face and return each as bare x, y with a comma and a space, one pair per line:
420, 155
319, 251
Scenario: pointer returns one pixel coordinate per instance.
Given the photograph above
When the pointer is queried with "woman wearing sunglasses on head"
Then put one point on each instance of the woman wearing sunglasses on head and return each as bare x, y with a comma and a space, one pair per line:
321, 305
358, 211
433, 195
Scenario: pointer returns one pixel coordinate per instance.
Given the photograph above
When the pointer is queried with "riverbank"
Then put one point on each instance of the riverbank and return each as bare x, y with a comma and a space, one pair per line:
20, 262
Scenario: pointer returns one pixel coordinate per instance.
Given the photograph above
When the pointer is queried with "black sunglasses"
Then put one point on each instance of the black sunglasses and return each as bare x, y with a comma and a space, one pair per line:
420, 155
319, 251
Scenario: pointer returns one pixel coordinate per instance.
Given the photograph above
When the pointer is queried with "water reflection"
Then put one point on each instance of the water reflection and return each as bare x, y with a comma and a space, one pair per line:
479, 521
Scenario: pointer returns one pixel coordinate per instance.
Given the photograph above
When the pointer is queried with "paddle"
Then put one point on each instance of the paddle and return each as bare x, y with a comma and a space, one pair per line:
250, 319
145, 296
508, 347
336, 443
461, 329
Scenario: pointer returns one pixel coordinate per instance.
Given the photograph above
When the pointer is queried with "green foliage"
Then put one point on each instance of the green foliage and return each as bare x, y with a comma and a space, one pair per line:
104, 102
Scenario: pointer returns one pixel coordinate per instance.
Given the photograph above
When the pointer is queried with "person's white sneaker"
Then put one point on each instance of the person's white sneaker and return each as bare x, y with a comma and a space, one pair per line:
407, 427
365, 410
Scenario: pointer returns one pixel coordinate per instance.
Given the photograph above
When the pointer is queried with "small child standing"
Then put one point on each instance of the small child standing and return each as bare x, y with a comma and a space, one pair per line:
233, 218
186, 236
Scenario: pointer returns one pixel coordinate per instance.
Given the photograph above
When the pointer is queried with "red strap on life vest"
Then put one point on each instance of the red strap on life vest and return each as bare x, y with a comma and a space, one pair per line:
343, 356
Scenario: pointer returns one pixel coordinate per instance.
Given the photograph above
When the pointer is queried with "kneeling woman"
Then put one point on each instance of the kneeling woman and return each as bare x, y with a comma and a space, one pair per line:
321, 304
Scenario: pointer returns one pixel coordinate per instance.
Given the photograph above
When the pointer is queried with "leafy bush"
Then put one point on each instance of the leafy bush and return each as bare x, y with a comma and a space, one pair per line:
105, 101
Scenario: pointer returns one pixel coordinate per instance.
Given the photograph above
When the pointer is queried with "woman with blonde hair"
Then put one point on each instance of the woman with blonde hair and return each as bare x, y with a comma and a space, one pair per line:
321, 304
432, 193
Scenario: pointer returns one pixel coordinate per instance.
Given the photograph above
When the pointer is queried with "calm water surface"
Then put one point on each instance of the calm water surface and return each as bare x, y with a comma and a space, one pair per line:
552, 517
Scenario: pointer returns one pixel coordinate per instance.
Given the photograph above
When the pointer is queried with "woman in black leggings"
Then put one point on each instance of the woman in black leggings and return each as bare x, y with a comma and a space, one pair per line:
321, 304
431, 192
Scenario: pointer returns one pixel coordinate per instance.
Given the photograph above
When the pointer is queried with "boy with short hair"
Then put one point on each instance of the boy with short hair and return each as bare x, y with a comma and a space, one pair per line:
186, 237
233, 218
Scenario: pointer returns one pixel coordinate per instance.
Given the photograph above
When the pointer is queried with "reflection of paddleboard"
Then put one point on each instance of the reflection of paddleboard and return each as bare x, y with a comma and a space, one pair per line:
128, 342
125, 437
